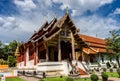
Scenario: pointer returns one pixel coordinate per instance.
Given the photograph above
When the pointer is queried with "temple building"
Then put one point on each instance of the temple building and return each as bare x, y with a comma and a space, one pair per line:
57, 46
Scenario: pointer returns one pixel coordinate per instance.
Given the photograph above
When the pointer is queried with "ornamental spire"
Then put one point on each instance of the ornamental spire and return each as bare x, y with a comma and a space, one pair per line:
55, 15
67, 9
47, 18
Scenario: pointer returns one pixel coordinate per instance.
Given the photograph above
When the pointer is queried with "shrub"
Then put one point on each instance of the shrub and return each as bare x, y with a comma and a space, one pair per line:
94, 77
111, 70
118, 71
99, 64
104, 69
92, 70
104, 76
114, 65
42, 80
97, 69
108, 65
69, 79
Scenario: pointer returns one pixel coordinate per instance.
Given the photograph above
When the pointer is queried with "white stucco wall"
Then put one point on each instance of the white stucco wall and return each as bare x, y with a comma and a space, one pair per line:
10, 73
20, 64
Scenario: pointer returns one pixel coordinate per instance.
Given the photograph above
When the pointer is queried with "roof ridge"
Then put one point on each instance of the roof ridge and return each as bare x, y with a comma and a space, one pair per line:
49, 25
92, 36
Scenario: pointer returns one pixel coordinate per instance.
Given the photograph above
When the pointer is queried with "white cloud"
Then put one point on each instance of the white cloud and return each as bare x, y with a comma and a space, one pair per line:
105, 2
78, 7
1, 21
117, 11
8, 23
93, 25
22, 26
46, 3
15, 34
26, 5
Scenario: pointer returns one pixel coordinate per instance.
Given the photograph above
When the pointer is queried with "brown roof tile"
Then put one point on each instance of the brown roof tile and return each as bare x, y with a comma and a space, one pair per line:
97, 44
92, 39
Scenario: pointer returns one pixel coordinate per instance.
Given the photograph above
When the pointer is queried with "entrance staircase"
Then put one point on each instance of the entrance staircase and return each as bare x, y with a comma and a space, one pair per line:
82, 68
51, 69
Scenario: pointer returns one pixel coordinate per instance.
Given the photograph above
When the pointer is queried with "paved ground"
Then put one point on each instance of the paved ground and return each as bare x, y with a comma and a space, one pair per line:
114, 79
36, 79
29, 78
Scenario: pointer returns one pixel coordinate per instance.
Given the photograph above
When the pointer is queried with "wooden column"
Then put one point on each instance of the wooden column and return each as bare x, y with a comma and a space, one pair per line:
24, 59
35, 57
59, 49
20, 58
36, 54
47, 58
73, 47
83, 58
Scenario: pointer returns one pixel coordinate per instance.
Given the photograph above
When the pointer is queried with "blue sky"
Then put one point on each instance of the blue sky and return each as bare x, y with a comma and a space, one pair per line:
20, 18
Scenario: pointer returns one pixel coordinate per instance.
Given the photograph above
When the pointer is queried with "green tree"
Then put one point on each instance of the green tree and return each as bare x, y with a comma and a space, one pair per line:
13, 45
12, 61
11, 48
7, 52
1, 51
113, 45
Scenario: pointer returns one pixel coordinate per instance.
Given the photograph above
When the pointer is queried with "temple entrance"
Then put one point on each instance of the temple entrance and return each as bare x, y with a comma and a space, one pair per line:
66, 50
41, 56
53, 54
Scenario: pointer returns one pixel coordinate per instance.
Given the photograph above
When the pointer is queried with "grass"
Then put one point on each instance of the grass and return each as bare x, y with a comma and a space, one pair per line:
13, 79
64, 79
56, 79
112, 74
84, 79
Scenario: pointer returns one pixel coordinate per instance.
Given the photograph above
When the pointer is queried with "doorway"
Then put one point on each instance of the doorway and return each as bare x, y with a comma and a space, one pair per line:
55, 56
66, 50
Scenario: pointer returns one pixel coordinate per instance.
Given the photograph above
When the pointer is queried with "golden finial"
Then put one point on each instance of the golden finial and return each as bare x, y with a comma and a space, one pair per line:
35, 31
96, 35
17, 52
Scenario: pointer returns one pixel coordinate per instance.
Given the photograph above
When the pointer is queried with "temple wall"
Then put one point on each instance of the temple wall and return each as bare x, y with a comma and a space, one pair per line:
30, 63
106, 60
20, 64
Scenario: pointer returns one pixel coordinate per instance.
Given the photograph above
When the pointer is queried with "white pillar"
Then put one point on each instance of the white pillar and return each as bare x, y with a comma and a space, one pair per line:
36, 54
27, 57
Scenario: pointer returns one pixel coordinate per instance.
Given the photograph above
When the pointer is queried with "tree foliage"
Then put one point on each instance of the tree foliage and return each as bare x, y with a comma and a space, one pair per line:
113, 45
12, 61
1, 51
7, 52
